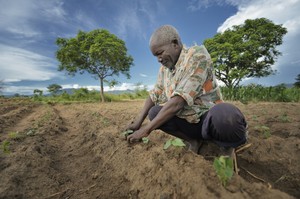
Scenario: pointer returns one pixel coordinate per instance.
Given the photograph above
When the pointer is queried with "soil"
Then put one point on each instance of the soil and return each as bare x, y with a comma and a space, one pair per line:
78, 151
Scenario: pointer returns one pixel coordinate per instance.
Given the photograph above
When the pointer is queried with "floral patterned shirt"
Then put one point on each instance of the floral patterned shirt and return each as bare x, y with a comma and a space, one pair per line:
193, 79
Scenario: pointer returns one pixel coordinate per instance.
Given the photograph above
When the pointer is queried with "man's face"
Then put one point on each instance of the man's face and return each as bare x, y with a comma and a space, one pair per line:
167, 54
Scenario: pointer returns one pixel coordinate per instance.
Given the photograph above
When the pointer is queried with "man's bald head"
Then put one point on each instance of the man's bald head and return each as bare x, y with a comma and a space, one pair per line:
165, 34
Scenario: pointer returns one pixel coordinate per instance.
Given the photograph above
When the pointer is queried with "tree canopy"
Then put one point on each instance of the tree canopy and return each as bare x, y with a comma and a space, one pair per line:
98, 53
247, 50
297, 83
53, 88
37, 92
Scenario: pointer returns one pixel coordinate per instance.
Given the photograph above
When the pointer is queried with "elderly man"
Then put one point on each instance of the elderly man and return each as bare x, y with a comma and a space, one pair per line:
186, 101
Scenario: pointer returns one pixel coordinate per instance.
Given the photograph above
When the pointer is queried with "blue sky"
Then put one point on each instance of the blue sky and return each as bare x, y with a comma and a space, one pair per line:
29, 28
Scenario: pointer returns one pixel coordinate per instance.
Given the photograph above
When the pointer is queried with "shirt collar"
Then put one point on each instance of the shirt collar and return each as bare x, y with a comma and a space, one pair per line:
183, 52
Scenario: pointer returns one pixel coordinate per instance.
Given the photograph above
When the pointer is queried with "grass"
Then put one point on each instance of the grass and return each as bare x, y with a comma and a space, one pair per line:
284, 118
15, 135
5, 147
264, 130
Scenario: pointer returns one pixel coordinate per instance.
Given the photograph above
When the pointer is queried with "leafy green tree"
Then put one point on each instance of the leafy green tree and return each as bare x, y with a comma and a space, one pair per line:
297, 83
54, 88
247, 50
98, 53
37, 92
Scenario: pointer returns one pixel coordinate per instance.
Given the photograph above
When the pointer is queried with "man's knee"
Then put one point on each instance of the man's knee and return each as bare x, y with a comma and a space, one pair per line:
227, 124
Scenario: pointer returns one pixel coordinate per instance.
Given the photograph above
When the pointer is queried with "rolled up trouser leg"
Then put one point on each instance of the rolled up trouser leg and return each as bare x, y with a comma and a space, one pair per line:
225, 125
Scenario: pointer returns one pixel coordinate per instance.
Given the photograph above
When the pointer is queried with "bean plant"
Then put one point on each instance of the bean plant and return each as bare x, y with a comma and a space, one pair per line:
224, 168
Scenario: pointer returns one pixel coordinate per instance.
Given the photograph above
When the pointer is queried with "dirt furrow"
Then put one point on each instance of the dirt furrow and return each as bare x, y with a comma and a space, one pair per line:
11, 118
78, 151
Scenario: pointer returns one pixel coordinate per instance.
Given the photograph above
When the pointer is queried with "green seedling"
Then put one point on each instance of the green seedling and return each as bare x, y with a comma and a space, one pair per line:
128, 132
5, 146
224, 168
284, 118
175, 142
264, 130
255, 118
145, 140
15, 135
31, 132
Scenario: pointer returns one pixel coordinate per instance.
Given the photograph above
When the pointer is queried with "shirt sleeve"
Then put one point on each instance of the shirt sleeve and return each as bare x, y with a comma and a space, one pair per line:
193, 77
157, 94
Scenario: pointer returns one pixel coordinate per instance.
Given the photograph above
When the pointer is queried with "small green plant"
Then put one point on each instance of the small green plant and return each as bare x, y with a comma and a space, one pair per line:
15, 135
224, 168
31, 132
284, 118
254, 117
177, 142
5, 147
264, 130
127, 132
145, 140
45, 118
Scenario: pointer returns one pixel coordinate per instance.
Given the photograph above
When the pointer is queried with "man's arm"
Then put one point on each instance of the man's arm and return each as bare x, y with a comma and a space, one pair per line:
168, 111
135, 125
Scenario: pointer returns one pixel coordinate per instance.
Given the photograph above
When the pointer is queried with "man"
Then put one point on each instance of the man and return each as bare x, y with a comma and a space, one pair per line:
186, 101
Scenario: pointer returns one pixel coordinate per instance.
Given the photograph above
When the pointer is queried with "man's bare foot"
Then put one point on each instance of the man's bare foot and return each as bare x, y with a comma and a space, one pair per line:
193, 145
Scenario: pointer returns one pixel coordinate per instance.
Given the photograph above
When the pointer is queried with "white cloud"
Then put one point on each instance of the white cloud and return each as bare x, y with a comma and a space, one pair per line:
121, 87
136, 17
195, 5
143, 75
20, 17
83, 19
281, 12
17, 64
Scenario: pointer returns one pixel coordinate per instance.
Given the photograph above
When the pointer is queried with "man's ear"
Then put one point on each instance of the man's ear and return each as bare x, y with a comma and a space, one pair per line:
175, 43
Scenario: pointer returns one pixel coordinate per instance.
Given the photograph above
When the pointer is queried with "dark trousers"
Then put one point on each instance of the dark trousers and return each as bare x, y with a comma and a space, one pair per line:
223, 123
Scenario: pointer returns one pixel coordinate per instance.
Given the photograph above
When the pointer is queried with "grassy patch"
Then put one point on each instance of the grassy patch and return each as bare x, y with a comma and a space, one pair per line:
264, 130
4, 147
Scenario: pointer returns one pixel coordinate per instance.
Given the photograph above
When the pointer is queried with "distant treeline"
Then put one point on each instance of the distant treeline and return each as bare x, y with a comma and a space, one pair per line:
244, 94
84, 95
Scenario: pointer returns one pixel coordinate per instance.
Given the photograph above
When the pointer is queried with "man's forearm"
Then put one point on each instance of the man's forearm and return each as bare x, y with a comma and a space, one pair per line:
144, 112
168, 111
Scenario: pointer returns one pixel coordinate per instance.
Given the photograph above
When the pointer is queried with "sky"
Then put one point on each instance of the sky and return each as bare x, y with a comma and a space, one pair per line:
29, 29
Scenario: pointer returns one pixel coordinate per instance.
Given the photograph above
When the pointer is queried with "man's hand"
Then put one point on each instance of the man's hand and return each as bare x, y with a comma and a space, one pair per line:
133, 126
137, 135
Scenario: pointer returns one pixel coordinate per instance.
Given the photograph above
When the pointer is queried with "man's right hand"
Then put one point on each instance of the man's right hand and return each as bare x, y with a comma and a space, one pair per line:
133, 126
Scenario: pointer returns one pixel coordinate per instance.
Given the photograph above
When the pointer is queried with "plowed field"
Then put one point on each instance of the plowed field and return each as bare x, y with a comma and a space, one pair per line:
77, 151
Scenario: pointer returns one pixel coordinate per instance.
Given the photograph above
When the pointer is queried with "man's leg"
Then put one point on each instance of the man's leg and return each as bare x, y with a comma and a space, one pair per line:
225, 125
180, 128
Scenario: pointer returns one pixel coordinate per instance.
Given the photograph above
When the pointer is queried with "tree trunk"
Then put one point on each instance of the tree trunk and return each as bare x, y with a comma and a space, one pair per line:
101, 90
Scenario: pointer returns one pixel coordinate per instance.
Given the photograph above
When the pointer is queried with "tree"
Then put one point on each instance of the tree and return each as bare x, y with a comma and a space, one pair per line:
247, 50
98, 52
297, 83
37, 92
54, 88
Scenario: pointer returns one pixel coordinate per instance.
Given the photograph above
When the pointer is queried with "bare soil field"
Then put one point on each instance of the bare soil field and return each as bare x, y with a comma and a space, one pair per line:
77, 150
